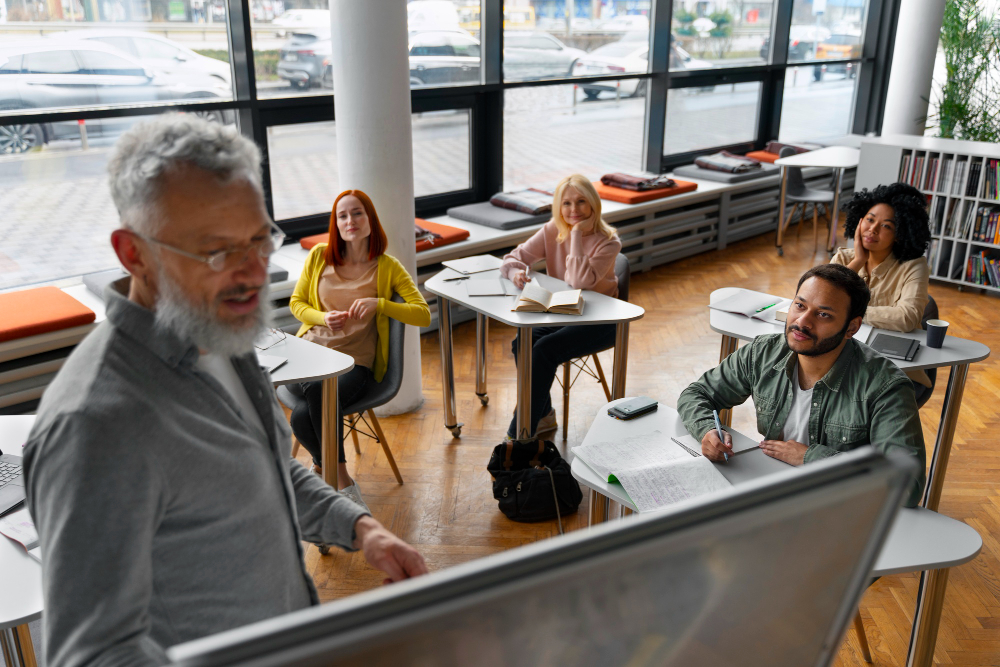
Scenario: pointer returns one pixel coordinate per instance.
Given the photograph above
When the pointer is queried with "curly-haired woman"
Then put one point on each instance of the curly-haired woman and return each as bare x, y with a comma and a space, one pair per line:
890, 229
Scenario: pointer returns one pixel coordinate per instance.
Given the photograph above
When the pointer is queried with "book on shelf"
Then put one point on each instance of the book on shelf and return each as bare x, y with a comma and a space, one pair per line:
983, 269
973, 185
932, 255
904, 168
536, 299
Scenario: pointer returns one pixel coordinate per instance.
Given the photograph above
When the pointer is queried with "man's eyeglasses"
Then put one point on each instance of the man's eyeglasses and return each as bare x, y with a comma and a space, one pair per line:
269, 339
224, 260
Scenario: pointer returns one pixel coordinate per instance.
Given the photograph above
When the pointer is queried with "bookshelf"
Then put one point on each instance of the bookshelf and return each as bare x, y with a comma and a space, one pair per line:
961, 180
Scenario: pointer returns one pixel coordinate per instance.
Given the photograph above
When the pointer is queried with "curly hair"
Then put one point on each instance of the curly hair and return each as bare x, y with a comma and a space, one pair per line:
913, 232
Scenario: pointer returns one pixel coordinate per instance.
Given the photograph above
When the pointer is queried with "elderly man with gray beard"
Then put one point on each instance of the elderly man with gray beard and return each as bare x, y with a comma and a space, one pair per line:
158, 470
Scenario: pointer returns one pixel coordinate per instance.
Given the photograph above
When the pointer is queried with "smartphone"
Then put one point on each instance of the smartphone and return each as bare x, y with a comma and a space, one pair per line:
634, 408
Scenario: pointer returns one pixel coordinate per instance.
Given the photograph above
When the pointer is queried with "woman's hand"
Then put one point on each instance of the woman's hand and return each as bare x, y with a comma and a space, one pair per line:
335, 319
362, 309
860, 253
520, 279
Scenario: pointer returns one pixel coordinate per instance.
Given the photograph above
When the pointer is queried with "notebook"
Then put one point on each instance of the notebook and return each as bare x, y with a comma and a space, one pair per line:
536, 299
490, 287
20, 528
895, 347
475, 264
269, 363
763, 307
653, 470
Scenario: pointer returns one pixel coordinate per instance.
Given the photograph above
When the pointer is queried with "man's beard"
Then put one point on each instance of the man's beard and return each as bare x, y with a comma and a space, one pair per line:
821, 347
200, 324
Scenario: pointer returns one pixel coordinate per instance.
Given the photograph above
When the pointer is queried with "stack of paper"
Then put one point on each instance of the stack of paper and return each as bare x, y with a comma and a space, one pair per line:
19, 527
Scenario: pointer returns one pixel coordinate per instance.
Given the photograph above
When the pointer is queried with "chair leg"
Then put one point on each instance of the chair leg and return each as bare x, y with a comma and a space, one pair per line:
815, 227
788, 218
565, 388
354, 433
385, 445
859, 627
600, 376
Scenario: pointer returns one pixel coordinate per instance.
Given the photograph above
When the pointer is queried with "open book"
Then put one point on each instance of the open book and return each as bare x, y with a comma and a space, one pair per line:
653, 470
762, 307
19, 527
536, 299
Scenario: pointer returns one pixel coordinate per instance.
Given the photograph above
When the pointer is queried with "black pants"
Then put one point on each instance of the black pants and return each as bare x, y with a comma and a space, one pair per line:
307, 420
551, 347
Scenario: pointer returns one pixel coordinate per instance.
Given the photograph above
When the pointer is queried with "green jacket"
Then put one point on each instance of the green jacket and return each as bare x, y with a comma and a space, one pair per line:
864, 399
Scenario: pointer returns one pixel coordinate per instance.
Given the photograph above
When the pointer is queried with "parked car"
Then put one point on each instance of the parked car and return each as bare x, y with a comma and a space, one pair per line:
157, 53
536, 55
838, 47
42, 74
294, 20
802, 42
625, 57
304, 60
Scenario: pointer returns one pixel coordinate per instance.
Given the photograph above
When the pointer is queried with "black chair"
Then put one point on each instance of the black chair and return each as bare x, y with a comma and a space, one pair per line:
924, 393
623, 271
797, 192
378, 395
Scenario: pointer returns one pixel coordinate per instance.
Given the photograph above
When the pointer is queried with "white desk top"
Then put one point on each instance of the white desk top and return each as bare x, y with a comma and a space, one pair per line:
306, 361
954, 351
598, 308
20, 574
919, 540
837, 157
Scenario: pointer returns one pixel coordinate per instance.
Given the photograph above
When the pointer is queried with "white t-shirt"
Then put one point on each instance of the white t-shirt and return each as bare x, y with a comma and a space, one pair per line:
797, 423
221, 368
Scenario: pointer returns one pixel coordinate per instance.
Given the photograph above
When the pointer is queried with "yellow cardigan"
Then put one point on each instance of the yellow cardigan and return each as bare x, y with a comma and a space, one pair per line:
392, 277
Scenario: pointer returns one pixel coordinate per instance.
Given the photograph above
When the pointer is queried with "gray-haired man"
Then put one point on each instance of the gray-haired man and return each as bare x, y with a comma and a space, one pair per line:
158, 470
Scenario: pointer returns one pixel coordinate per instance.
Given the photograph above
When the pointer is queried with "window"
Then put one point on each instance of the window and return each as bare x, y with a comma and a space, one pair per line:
155, 49
818, 101
826, 29
553, 131
123, 44
49, 62
720, 34
709, 116
98, 62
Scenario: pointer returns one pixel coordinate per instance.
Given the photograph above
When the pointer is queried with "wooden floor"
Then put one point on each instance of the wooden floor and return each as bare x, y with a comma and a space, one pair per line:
447, 510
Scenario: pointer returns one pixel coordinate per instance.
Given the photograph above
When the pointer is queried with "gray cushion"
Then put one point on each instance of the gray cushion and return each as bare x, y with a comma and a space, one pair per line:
487, 214
694, 171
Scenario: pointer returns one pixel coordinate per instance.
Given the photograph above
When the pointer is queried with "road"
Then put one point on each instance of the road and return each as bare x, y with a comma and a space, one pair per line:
58, 210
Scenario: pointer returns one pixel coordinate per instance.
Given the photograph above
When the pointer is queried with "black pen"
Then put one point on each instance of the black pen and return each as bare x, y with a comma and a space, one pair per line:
448, 280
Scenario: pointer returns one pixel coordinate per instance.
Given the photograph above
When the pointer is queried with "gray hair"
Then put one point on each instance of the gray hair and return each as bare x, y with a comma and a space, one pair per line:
152, 148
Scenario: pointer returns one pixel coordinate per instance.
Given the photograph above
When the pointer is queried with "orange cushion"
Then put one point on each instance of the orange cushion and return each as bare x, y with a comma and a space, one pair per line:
448, 235
632, 197
763, 156
40, 310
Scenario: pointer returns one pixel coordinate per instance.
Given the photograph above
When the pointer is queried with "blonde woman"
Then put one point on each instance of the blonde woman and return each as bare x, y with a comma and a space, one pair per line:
579, 247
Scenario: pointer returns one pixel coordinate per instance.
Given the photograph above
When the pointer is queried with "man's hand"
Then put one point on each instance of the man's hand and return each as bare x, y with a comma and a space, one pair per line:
335, 319
386, 552
715, 449
789, 451
362, 309
520, 279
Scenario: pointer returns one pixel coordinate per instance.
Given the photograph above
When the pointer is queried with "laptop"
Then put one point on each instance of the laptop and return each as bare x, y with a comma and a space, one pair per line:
11, 483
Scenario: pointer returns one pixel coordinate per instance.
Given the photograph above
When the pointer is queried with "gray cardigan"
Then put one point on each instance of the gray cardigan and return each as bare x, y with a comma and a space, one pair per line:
163, 515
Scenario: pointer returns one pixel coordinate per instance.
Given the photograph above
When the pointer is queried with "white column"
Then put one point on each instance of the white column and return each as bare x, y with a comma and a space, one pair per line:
917, 33
371, 79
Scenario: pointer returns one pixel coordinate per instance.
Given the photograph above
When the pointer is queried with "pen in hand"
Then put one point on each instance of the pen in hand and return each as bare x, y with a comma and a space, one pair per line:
720, 432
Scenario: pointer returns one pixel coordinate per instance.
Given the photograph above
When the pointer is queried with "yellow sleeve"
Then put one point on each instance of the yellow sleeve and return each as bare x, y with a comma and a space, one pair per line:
303, 310
414, 311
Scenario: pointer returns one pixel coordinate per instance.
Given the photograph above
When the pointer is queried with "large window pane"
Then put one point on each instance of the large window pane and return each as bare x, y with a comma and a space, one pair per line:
699, 118
826, 30
86, 60
303, 161
292, 49
728, 33
57, 209
542, 42
553, 131
813, 108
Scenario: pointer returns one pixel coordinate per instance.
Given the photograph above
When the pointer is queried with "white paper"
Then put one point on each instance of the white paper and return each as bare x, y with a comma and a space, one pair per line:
489, 287
270, 363
534, 292
652, 488
628, 453
771, 314
36, 553
474, 264
746, 303
19, 527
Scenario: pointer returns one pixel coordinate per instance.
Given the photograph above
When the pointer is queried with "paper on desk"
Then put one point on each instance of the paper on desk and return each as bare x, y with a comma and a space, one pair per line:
490, 287
651, 488
19, 527
270, 363
632, 452
474, 264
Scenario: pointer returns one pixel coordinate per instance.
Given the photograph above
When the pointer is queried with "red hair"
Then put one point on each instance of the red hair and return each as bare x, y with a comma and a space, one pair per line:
377, 240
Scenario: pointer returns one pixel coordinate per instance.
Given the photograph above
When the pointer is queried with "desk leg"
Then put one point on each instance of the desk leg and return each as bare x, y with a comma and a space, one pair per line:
729, 345
447, 368
930, 600
482, 333
17, 648
332, 430
946, 433
621, 361
781, 210
598, 507
524, 383
835, 212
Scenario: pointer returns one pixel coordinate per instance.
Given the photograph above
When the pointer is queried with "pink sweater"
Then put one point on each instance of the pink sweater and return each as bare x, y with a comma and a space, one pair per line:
588, 262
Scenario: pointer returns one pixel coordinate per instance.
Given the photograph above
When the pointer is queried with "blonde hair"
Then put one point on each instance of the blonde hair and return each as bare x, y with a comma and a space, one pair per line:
586, 188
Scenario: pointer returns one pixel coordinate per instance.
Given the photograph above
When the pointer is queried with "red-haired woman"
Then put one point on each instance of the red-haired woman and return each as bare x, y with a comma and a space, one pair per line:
343, 299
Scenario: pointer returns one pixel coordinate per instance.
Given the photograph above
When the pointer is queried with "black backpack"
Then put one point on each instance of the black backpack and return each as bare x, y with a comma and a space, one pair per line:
528, 480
